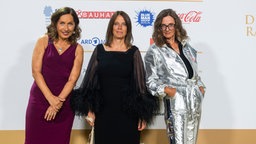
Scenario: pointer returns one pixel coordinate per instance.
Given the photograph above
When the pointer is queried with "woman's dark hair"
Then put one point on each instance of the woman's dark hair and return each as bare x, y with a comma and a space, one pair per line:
180, 32
52, 28
109, 35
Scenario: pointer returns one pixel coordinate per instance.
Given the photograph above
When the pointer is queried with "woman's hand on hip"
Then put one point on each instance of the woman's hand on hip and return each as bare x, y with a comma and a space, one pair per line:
202, 90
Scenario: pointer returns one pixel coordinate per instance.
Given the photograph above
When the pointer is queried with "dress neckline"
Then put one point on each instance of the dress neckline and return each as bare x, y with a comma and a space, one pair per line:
63, 51
103, 47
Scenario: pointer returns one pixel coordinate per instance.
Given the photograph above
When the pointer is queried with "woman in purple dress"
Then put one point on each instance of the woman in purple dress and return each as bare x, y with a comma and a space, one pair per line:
56, 65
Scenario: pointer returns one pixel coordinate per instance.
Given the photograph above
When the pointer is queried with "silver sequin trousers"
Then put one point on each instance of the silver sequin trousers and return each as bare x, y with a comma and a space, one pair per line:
183, 113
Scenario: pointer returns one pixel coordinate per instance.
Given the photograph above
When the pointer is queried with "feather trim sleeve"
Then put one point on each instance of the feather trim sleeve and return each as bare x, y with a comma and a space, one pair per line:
148, 105
82, 98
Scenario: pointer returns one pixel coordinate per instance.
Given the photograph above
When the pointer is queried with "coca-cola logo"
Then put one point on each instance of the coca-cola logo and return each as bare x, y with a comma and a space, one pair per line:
190, 17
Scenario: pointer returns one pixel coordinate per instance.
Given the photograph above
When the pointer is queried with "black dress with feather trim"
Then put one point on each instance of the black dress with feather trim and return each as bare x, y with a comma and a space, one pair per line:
114, 88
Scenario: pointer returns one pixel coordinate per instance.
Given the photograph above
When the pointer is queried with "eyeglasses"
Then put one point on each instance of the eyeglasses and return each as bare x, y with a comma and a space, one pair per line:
169, 26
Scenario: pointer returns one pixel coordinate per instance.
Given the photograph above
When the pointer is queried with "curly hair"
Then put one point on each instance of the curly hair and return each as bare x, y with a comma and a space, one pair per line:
180, 32
52, 28
109, 35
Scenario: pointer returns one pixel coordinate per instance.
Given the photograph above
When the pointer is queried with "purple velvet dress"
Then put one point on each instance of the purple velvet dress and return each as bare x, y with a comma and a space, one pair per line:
56, 69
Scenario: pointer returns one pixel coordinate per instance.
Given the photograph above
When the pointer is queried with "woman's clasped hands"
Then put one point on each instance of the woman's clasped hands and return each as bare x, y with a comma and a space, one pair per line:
55, 105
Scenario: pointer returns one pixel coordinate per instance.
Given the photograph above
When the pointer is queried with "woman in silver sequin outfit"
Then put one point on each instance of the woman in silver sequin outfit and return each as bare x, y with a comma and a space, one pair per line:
172, 74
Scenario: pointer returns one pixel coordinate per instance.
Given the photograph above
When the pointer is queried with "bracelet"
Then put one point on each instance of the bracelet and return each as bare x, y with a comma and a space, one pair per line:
61, 99
89, 119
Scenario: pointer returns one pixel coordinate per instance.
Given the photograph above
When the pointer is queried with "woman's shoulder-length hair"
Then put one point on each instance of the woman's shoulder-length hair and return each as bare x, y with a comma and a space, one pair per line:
52, 28
109, 33
180, 32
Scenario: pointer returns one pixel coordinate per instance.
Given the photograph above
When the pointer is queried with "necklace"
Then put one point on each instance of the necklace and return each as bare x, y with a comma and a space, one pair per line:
60, 49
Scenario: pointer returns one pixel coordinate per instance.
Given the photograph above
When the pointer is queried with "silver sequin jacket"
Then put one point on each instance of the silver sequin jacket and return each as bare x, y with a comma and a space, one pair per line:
164, 67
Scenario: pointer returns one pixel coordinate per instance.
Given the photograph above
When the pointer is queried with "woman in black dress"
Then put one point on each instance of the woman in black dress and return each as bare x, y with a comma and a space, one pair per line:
113, 92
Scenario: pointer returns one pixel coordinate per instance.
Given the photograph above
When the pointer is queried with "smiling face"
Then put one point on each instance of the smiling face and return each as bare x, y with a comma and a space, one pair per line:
65, 26
119, 28
168, 27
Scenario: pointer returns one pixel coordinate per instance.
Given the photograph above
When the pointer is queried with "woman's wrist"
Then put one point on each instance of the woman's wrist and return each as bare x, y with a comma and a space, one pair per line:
61, 99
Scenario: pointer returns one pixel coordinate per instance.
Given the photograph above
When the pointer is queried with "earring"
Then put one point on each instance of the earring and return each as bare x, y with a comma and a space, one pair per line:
74, 32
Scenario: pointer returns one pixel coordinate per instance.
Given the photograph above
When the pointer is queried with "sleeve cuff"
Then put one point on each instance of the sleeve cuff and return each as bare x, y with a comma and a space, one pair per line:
160, 91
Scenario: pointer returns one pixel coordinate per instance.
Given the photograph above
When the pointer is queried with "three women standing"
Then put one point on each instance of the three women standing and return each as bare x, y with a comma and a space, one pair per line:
114, 92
